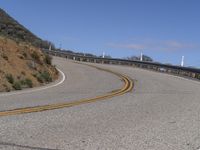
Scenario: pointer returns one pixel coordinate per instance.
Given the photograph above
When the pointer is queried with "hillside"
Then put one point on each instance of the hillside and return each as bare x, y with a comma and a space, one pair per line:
10, 28
22, 64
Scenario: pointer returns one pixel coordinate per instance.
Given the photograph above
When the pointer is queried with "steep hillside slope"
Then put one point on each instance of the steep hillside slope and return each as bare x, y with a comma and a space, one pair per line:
10, 28
22, 64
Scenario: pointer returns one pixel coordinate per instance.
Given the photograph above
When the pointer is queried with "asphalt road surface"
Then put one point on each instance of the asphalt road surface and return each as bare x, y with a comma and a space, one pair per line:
162, 112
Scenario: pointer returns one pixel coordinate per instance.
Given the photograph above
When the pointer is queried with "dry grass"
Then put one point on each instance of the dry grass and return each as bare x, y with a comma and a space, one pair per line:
22, 61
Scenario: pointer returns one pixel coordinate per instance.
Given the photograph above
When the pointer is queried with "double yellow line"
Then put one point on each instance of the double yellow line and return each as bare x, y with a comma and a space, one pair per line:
127, 87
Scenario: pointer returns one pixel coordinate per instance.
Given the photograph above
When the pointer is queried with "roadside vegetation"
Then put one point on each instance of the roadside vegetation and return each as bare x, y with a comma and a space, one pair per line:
23, 66
144, 58
22, 63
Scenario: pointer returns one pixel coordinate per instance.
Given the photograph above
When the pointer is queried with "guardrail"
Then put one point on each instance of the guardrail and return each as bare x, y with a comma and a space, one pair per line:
193, 73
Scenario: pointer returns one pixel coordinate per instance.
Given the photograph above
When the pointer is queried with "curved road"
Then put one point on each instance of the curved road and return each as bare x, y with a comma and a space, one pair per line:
161, 113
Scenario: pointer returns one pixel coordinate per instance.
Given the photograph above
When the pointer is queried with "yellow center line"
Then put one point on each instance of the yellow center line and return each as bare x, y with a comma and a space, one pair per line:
127, 87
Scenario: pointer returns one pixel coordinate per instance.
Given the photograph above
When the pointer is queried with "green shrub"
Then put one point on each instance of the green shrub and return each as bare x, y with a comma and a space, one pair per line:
26, 83
17, 86
198, 76
10, 78
29, 82
39, 78
22, 82
46, 76
48, 59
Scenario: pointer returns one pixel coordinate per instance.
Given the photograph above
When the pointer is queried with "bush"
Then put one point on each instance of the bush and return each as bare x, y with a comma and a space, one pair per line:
44, 77
29, 82
39, 78
26, 83
198, 76
17, 86
22, 82
48, 59
35, 56
7, 89
10, 78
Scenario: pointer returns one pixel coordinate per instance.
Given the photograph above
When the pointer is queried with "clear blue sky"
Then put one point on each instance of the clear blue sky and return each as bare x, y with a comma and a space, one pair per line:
162, 29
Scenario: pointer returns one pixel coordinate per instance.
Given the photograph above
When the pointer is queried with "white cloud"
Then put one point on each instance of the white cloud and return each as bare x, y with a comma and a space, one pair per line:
175, 45
127, 46
170, 45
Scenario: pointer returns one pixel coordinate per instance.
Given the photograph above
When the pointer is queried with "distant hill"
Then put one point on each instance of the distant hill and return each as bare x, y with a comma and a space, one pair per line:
12, 29
22, 63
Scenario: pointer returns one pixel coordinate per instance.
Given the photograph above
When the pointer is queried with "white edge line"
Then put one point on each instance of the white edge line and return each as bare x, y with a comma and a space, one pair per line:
38, 89
184, 78
191, 80
175, 76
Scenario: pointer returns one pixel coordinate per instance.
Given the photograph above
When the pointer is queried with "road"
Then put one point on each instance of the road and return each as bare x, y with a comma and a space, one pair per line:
162, 112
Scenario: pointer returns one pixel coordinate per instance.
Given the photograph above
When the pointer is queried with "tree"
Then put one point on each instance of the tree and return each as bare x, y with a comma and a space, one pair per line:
133, 58
137, 58
106, 56
147, 58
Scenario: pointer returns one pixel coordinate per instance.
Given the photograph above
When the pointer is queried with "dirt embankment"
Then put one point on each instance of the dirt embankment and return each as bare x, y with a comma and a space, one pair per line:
23, 66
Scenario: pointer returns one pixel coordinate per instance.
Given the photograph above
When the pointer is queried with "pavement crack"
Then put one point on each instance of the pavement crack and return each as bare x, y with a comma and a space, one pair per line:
23, 146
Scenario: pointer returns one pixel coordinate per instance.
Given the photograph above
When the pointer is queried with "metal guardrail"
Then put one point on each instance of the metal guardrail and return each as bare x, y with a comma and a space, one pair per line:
193, 73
